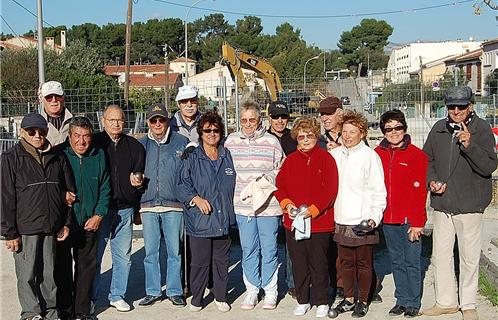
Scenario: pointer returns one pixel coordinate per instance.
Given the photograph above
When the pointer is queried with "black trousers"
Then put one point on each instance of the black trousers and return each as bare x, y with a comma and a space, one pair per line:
310, 266
74, 289
206, 252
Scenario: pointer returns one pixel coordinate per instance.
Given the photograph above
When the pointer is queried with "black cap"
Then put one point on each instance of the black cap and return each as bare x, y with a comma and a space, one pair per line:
278, 108
34, 120
458, 96
157, 110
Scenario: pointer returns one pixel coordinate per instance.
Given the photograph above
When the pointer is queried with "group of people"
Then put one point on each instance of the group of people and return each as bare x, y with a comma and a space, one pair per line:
67, 192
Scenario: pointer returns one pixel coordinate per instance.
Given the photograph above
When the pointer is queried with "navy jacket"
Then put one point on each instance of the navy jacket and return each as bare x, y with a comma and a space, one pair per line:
213, 181
162, 162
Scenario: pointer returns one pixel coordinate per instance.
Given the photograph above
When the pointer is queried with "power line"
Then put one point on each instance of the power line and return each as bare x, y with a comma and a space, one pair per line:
365, 14
33, 14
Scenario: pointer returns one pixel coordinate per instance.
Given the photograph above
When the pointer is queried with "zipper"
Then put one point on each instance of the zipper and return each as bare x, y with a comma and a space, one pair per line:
81, 190
391, 159
157, 170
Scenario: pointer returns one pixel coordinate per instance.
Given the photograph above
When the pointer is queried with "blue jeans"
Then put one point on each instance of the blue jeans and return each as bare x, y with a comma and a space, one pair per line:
117, 226
171, 224
258, 240
405, 260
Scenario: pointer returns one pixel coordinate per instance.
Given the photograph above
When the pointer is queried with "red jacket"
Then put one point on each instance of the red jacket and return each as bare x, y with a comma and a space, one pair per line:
405, 170
309, 178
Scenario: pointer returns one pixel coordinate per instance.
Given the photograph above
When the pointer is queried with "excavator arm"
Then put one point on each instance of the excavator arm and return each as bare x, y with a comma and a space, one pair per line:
236, 59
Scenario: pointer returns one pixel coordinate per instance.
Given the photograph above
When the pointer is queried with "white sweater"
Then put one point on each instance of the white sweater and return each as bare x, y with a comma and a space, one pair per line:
362, 193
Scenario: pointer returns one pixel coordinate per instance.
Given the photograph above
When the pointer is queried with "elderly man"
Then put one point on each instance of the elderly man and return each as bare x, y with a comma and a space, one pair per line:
93, 192
186, 119
58, 117
160, 210
461, 160
331, 112
34, 215
126, 158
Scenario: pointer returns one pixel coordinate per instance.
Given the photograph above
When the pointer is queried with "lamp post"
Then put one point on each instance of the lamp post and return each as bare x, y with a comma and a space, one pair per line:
186, 39
305, 64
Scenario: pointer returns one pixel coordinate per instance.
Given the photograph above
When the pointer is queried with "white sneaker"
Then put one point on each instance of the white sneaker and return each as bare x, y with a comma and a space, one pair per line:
250, 301
301, 309
270, 302
194, 308
222, 306
322, 311
121, 305
37, 317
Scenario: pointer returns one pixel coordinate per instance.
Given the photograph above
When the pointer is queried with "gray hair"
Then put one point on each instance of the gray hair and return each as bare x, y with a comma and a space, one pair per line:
80, 122
114, 107
251, 105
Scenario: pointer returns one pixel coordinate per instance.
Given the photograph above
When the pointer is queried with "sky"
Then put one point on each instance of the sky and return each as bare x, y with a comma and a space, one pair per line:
321, 22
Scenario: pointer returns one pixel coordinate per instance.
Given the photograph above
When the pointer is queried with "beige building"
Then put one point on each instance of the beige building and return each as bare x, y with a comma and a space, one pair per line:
25, 42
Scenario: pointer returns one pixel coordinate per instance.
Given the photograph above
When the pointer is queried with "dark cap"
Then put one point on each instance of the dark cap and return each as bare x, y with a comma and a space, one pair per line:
330, 105
458, 96
34, 120
157, 110
278, 108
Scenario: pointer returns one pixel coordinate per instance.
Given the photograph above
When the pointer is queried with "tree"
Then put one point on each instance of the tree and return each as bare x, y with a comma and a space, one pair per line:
364, 42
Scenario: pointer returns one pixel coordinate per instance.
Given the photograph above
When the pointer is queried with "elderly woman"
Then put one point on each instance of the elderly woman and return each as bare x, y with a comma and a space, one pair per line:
257, 156
206, 183
309, 178
358, 210
405, 168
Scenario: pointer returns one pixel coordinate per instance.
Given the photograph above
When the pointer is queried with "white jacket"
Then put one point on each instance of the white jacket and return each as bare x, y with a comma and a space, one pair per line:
362, 193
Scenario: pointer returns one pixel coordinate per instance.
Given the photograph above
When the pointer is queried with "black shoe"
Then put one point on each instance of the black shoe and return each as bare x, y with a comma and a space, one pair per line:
149, 300
376, 298
292, 292
344, 306
360, 310
339, 293
178, 301
411, 312
87, 318
397, 310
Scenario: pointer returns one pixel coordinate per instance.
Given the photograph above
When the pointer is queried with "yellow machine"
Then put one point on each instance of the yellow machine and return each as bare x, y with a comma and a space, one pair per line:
236, 59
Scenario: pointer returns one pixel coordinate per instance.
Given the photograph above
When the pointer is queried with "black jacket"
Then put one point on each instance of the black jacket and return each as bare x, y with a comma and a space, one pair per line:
466, 171
32, 194
123, 158
288, 144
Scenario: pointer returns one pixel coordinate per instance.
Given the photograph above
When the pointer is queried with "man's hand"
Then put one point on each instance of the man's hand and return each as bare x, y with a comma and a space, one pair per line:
464, 136
371, 223
63, 233
135, 182
93, 223
332, 145
70, 198
13, 245
414, 234
437, 187
202, 204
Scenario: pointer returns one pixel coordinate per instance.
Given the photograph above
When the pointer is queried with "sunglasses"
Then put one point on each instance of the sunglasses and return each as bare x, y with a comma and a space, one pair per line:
191, 100
157, 119
251, 121
280, 116
211, 130
308, 136
52, 97
397, 128
32, 131
461, 108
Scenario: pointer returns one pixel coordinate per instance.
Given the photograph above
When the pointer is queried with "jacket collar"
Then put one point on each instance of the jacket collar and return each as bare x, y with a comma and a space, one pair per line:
164, 139
260, 131
181, 123
203, 155
90, 152
384, 144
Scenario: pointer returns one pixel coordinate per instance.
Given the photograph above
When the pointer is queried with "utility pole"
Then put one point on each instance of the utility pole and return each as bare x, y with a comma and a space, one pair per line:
41, 60
127, 52
422, 111
166, 77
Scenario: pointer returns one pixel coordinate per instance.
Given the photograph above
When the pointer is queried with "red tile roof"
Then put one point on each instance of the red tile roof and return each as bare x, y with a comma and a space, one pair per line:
140, 80
154, 68
182, 59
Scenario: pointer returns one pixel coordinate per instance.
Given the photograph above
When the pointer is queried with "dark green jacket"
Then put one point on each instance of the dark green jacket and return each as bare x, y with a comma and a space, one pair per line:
93, 188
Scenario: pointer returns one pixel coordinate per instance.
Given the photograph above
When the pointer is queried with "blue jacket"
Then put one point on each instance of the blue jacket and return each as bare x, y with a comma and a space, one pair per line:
162, 161
213, 181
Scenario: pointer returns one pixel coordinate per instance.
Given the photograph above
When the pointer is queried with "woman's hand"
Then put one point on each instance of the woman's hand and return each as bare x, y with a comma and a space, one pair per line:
371, 223
202, 204
289, 209
414, 234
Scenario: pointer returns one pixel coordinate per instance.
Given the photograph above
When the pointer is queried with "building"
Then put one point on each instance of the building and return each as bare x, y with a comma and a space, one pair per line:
432, 70
145, 76
407, 59
178, 66
489, 61
468, 64
26, 42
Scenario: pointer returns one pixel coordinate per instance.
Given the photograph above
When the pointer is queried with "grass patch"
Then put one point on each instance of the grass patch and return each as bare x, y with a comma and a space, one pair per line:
487, 289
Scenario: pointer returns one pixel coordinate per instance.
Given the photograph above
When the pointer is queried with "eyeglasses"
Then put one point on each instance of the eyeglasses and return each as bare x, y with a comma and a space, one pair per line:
397, 128
307, 136
157, 119
251, 120
32, 131
52, 97
116, 121
280, 116
191, 100
461, 108
211, 130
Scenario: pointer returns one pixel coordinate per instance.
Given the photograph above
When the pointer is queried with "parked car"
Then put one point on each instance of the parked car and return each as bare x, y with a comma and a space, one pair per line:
345, 100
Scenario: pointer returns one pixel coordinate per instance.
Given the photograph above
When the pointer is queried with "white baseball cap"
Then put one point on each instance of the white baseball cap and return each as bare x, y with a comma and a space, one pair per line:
52, 87
186, 92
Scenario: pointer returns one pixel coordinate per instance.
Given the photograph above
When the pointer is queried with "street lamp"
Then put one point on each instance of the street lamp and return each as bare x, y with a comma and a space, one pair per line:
186, 39
305, 64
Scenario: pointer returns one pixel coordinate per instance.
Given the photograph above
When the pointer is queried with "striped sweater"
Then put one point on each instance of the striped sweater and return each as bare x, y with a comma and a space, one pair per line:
253, 157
